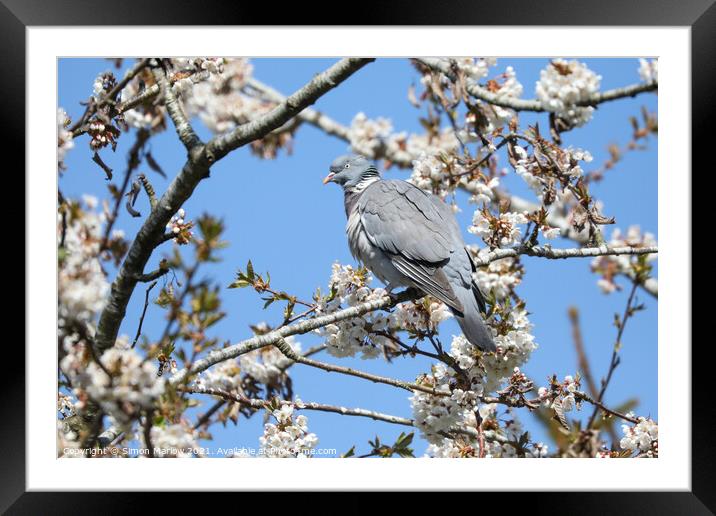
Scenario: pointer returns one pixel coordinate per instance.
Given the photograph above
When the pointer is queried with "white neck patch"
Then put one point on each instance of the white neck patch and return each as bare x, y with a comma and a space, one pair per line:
365, 183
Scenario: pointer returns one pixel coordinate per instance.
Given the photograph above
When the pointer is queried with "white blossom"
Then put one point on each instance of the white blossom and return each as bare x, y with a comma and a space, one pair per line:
476, 68
423, 315
412, 147
347, 338
289, 437
64, 137
499, 277
610, 266
67, 440
102, 84
485, 372
268, 363
177, 440
219, 101
366, 136
649, 70
133, 385
642, 437
565, 83
501, 231
550, 232
223, 376
505, 86
82, 285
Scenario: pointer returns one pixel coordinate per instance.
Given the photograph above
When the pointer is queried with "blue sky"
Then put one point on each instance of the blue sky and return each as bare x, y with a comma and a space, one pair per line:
278, 214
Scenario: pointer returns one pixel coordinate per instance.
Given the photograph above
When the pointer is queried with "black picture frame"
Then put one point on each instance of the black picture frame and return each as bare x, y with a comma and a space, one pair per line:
700, 15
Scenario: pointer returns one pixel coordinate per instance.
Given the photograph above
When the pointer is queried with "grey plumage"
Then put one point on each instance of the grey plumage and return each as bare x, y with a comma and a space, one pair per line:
408, 237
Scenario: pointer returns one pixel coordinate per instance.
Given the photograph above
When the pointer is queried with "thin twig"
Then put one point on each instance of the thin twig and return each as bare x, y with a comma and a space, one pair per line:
80, 126
283, 346
582, 359
133, 161
599, 405
144, 312
614, 362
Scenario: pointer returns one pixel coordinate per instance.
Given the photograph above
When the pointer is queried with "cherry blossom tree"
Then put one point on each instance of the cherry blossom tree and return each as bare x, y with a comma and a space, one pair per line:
115, 389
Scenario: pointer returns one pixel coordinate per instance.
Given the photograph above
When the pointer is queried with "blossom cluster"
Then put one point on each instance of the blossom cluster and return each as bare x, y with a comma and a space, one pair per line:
499, 277
562, 85
100, 129
442, 173
475, 68
148, 115
267, 364
642, 438
367, 136
64, 137
649, 70
102, 84
289, 436
375, 138
537, 169
123, 384
497, 231
219, 101
487, 118
174, 440
560, 396
187, 70
609, 267
180, 228
347, 338
419, 317
82, 285
224, 376
476, 375
464, 446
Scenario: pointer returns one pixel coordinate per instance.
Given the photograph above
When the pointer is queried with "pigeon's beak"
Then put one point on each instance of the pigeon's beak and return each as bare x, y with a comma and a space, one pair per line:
328, 178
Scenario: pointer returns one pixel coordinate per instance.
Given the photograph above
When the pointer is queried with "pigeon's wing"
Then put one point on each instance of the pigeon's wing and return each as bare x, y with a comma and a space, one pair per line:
463, 273
402, 220
431, 279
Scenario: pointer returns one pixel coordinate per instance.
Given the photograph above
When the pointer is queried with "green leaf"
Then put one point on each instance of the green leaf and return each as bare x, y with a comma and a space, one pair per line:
349, 453
240, 283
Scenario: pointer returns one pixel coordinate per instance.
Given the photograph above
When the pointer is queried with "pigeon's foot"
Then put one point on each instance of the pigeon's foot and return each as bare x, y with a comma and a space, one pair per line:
396, 297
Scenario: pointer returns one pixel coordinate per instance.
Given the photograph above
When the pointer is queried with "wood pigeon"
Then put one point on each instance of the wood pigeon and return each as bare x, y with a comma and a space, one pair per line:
410, 238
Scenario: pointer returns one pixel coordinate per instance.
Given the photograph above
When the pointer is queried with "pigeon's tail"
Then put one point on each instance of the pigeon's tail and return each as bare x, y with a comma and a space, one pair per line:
471, 320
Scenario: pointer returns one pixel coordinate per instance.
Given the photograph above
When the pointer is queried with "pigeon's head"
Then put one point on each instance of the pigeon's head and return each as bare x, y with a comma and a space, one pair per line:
352, 171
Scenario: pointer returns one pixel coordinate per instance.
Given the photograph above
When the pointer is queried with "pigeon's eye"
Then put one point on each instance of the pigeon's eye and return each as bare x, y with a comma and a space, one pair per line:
348, 165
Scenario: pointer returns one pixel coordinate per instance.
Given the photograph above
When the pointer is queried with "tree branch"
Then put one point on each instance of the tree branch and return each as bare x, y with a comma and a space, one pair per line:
559, 254
323, 82
176, 112
322, 407
194, 170
271, 338
443, 66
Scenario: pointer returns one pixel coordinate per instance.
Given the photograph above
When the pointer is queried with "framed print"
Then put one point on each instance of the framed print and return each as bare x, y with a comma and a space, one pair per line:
451, 239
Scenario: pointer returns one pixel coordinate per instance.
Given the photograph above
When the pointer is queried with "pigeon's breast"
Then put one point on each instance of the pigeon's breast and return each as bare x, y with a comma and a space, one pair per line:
369, 255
